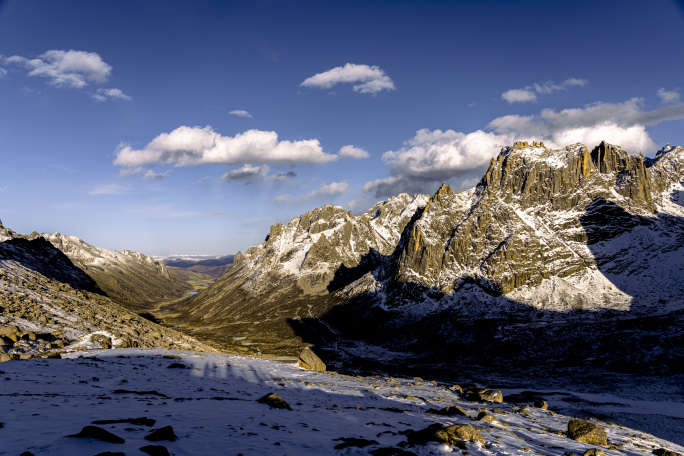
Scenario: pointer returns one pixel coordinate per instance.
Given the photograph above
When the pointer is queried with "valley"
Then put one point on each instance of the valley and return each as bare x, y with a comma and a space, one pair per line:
560, 272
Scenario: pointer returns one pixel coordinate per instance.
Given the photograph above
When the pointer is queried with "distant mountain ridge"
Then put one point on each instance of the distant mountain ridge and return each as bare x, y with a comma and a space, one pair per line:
557, 235
212, 265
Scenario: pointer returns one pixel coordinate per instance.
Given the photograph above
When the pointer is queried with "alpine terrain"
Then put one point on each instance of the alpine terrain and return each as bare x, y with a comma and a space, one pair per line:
557, 258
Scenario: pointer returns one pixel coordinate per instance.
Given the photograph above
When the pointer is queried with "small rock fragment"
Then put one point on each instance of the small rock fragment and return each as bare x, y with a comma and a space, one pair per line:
353, 442
487, 417
449, 411
664, 452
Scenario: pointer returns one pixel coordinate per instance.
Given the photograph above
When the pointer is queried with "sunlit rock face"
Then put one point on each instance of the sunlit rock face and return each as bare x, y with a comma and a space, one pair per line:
551, 231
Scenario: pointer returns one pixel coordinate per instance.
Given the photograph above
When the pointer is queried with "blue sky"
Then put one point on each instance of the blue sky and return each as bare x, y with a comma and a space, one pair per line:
191, 127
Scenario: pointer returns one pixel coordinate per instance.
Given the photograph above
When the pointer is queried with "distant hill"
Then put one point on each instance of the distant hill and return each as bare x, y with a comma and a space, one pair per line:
214, 266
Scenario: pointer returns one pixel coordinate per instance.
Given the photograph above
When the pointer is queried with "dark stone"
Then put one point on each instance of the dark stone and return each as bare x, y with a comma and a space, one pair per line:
155, 450
449, 411
275, 401
353, 442
165, 433
97, 433
433, 433
177, 366
594, 452
541, 403
664, 452
139, 393
26, 453
111, 453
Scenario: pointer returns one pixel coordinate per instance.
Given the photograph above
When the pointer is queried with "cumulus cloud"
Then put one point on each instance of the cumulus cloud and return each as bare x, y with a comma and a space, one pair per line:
73, 69
364, 79
240, 113
619, 123
336, 188
529, 93
246, 173
105, 94
666, 96
353, 152
191, 146
281, 176
155, 176
433, 157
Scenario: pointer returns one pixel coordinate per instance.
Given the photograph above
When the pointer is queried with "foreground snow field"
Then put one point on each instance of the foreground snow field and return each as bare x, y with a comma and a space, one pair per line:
211, 401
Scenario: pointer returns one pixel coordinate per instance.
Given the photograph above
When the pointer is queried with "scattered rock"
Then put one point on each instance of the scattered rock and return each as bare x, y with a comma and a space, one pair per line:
103, 342
664, 452
466, 432
449, 411
97, 433
456, 388
541, 403
155, 450
309, 360
478, 394
111, 453
456, 435
353, 442
594, 452
487, 417
275, 401
165, 433
583, 431
177, 366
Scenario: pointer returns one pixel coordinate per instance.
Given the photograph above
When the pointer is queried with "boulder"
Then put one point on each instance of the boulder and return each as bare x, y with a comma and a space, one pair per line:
165, 433
97, 433
275, 401
594, 452
541, 403
586, 432
155, 450
465, 432
449, 411
487, 417
309, 360
664, 452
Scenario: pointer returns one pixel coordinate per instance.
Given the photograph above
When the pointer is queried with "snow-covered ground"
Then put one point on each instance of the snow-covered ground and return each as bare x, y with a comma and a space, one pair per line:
212, 405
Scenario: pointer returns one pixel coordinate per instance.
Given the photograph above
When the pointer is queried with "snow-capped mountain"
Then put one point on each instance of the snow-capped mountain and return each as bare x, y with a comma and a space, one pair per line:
567, 235
129, 278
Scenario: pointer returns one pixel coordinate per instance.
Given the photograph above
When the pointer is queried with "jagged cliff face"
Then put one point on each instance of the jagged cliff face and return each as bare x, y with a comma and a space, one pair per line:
552, 231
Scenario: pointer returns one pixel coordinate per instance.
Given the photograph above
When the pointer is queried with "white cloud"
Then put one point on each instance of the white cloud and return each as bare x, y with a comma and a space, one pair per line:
365, 79
155, 176
436, 156
281, 176
109, 189
353, 152
336, 188
440, 155
240, 113
246, 173
3, 72
281, 198
668, 96
73, 69
104, 94
619, 123
529, 93
519, 96
191, 146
